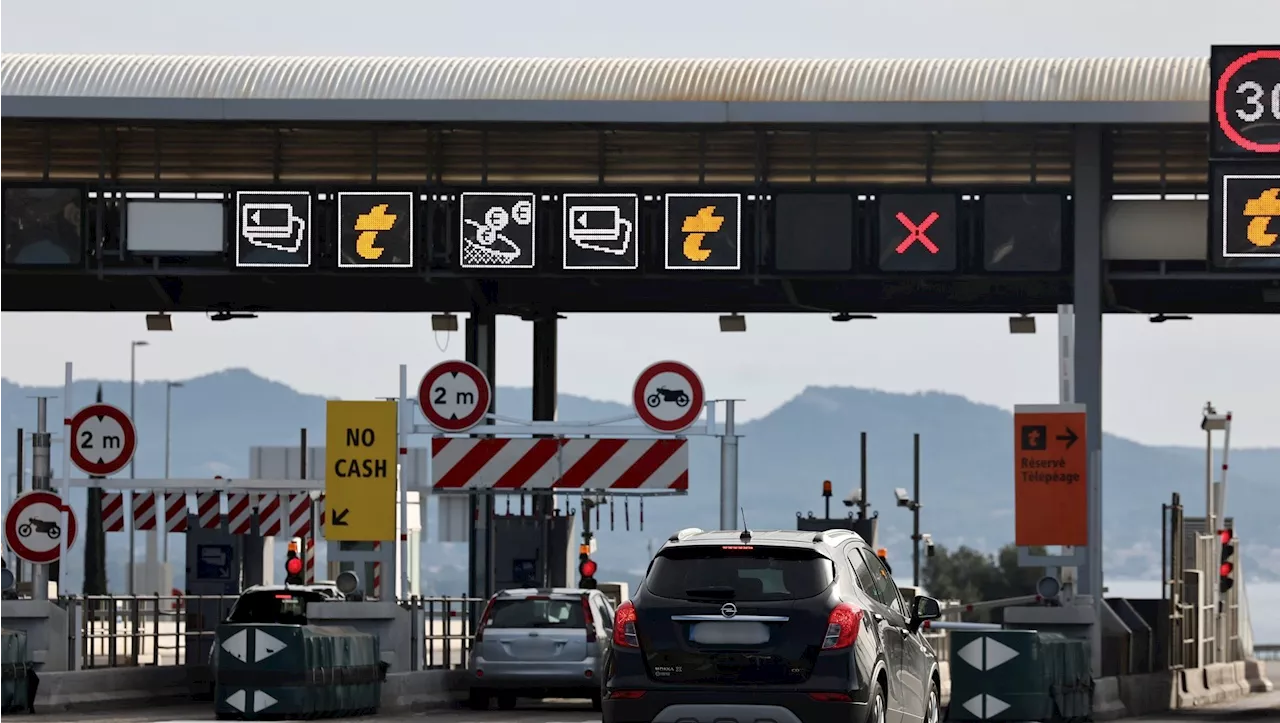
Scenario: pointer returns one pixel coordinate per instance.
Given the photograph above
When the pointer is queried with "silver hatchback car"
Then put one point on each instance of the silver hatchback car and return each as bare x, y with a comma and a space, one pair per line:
540, 643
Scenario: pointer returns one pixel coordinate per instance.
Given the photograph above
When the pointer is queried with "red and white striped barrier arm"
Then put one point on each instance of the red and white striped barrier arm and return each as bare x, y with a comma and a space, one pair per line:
462, 464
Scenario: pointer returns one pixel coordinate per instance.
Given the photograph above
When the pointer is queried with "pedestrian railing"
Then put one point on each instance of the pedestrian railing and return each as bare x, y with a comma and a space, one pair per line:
444, 627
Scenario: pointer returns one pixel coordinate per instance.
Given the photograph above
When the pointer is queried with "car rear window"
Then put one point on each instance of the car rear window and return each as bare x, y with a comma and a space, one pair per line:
536, 613
274, 607
741, 573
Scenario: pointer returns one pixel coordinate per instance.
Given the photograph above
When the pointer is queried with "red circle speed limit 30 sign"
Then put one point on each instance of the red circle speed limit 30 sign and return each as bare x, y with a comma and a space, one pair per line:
1245, 101
103, 439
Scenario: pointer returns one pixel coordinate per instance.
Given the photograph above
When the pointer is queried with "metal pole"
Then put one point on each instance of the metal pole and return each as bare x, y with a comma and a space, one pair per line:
1089, 193
21, 474
168, 427
1210, 526
915, 513
729, 470
40, 475
545, 393
133, 534
863, 504
401, 444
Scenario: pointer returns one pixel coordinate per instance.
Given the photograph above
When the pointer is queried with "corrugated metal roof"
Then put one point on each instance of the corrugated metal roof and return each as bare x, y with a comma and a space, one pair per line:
1093, 80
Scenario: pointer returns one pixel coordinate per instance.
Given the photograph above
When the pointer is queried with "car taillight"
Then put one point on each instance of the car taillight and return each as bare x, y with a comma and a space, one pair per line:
591, 625
624, 626
484, 620
842, 627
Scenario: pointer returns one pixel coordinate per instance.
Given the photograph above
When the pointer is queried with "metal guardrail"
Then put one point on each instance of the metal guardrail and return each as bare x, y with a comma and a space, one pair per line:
129, 631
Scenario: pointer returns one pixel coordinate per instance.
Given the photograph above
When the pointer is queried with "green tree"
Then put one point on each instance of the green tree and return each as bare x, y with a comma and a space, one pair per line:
970, 576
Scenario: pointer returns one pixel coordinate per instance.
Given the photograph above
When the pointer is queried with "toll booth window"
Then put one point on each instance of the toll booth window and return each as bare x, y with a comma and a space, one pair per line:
43, 226
273, 607
537, 613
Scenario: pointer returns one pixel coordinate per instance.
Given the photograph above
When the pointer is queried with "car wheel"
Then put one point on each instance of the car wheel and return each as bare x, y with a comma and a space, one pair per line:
506, 702
478, 700
933, 709
877, 712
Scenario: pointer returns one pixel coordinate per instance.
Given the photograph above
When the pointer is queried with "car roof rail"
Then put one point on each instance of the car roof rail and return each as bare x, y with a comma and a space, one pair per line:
838, 532
685, 534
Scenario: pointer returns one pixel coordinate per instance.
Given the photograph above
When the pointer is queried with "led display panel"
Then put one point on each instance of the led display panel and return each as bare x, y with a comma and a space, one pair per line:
1244, 101
1022, 232
1244, 215
917, 232
174, 228
43, 226
813, 232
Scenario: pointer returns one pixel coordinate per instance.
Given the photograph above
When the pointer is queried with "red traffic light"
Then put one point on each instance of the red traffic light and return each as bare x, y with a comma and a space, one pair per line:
1225, 536
293, 566
1225, 569
587, 568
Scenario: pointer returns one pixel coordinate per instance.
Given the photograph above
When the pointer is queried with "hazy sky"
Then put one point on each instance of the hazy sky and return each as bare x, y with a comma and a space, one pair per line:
1157, 377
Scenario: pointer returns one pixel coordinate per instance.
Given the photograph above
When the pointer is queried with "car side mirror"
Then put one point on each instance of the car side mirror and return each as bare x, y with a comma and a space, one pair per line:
924, 608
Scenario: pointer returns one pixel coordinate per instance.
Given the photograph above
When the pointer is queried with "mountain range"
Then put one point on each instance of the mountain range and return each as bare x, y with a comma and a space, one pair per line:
966, 481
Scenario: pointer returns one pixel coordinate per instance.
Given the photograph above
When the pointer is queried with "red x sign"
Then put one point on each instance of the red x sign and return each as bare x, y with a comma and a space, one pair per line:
917, 233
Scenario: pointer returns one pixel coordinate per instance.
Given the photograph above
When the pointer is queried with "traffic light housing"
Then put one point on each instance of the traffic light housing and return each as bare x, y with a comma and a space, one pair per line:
1227, 565
587, 570
293, 569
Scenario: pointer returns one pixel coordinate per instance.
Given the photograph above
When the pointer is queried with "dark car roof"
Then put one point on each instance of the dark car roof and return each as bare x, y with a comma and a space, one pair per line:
827, 540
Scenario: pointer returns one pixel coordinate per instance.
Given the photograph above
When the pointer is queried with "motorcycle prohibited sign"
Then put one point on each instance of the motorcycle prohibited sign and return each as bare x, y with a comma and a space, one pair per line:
33, 527
102, 439
668, 397
454, 396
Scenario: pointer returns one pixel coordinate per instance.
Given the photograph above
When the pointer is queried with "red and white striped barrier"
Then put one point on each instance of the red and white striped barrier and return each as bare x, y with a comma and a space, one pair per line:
309, 560
270, 514
175, 511
461, 464
239, 513
377, 572
113, 512
208, 508
300, 515
144, 510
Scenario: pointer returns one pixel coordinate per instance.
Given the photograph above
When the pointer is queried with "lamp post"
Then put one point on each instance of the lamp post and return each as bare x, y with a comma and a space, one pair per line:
912, 502
133, 384
168, 431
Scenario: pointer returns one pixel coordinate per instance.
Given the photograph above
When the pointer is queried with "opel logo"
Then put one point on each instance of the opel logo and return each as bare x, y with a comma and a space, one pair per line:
729, 610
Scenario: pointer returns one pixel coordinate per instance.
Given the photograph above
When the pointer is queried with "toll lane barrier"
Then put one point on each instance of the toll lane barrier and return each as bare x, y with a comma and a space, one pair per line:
16, 695
1019, 675
270, 671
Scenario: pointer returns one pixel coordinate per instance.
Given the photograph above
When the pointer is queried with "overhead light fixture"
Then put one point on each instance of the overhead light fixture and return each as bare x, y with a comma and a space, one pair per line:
1022, 324
733, 322
444, 322
230, 315
1162, 318
846, 316
159, 322
1212, 421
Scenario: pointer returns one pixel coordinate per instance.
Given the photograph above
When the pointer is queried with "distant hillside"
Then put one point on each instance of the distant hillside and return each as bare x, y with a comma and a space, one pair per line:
966, 453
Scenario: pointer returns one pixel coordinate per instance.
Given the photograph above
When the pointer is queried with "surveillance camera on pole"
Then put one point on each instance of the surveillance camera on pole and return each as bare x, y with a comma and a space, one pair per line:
853, 498
904, 500
928, 544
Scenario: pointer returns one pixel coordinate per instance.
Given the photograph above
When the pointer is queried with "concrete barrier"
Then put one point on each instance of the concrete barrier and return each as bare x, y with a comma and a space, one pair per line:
1255, 676
423, 690
114, 688
1149, 693
1106, 700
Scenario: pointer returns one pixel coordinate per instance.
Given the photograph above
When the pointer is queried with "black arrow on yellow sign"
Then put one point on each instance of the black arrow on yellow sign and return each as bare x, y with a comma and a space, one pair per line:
340, 518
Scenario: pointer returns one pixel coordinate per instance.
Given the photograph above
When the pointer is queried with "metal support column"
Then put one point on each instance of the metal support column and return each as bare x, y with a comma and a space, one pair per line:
544, 409
1088, 198
729, 470
41, 478
481, 343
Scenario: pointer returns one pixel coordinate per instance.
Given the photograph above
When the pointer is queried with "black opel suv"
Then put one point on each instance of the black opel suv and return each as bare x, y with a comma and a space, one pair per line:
778, 626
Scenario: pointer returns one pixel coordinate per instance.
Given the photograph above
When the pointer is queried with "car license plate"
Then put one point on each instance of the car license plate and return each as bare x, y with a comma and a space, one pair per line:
729, 633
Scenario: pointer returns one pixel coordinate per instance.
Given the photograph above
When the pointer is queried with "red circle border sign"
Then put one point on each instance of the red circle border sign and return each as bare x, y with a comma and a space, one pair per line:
695, 404
130, 440
476, 375
1220, 102
14, 541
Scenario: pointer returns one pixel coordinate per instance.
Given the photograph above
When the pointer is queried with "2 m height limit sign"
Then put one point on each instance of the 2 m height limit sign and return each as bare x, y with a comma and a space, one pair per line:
1051, 475
361, 451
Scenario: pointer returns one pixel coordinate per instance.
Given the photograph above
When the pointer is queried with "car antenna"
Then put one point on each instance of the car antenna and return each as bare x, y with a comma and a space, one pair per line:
746, 533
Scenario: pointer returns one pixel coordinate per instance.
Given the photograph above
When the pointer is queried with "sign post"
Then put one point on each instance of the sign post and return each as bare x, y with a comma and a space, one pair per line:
1051, 477
360, 475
